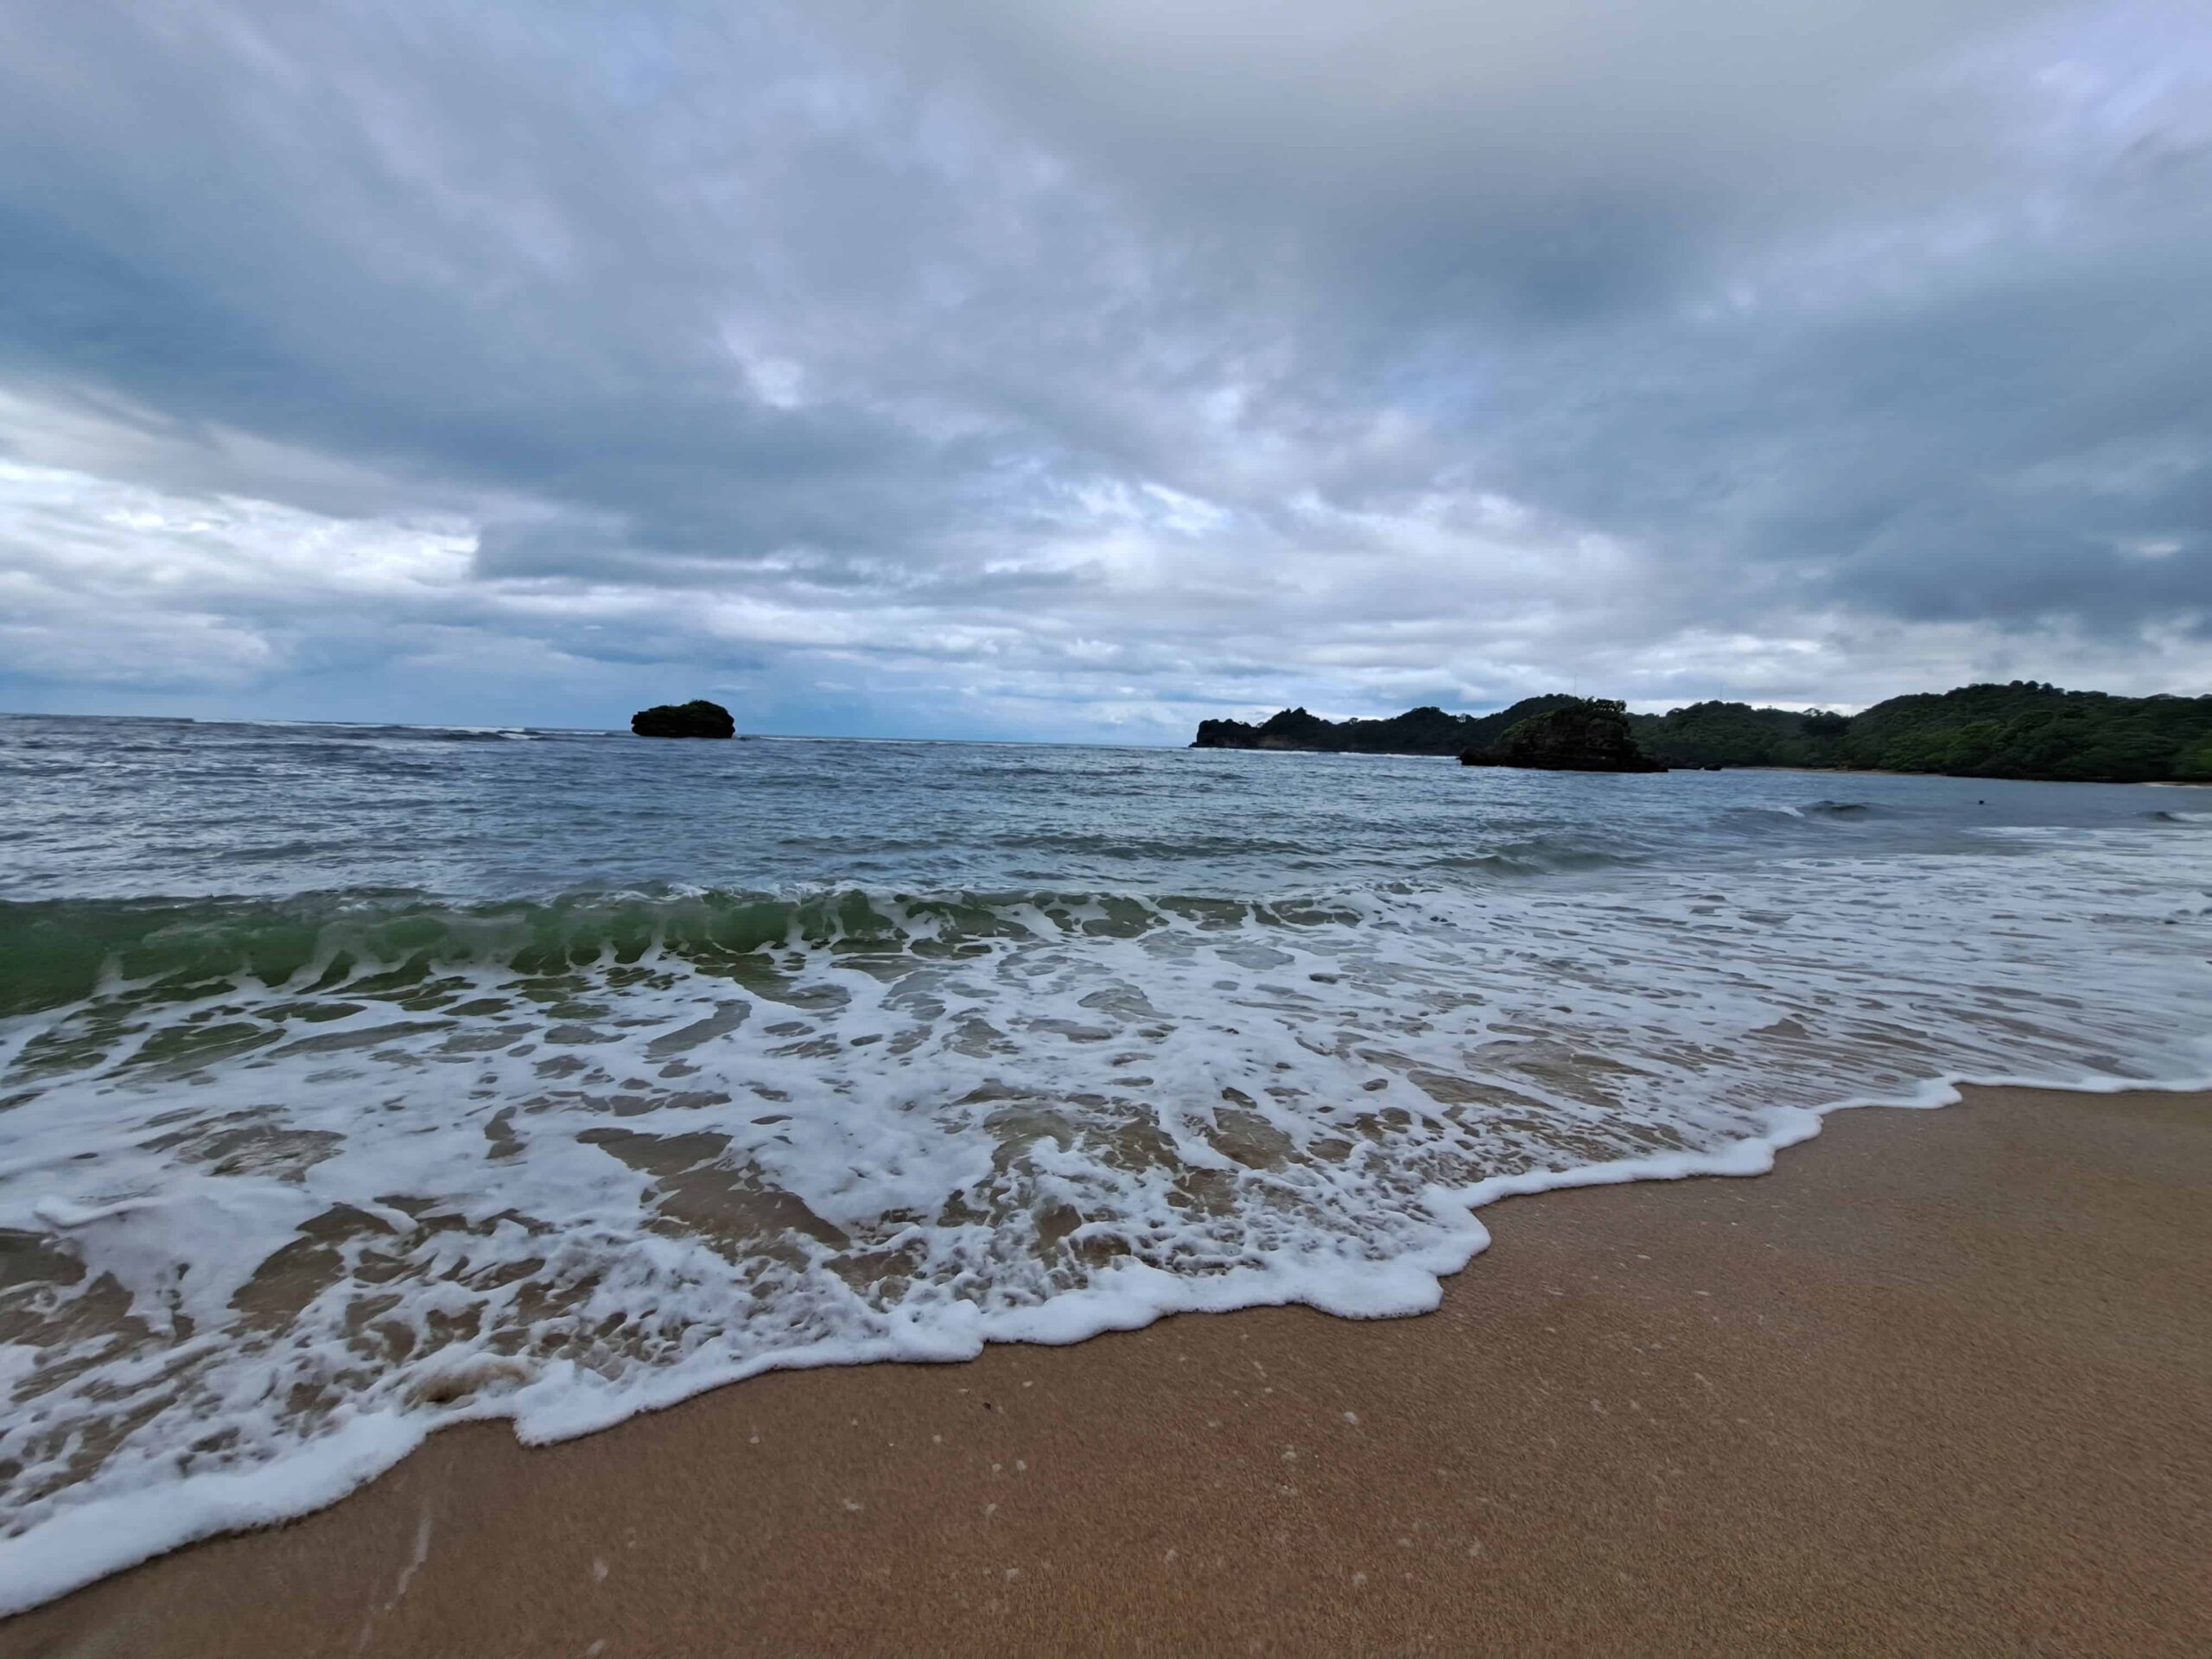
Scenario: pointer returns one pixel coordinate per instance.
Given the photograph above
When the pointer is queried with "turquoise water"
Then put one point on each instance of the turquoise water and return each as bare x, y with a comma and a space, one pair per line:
354, 1080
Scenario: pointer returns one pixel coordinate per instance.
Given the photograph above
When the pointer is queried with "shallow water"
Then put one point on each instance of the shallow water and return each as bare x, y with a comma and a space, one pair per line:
354, 1080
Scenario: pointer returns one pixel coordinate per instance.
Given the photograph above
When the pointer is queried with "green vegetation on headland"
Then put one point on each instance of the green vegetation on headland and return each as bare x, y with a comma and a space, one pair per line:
2023, 729
1589, 734
1418, 731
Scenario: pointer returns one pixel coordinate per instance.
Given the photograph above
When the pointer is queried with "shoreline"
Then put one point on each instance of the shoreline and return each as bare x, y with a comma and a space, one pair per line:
117, 1538
752, 1505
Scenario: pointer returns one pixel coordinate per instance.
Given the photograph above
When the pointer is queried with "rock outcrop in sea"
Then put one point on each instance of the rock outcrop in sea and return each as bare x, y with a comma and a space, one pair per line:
697, 718
1589, 735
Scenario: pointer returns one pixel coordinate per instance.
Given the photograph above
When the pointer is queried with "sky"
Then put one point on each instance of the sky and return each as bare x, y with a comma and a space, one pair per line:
996, 369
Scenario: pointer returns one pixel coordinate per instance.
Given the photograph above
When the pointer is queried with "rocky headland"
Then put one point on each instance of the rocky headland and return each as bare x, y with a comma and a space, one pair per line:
1418, 731
2023, 729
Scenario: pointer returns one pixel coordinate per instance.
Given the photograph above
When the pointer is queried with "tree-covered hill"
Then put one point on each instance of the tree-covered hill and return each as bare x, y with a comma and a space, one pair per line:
2024, 729
1418, 731
1737, 734
2027, 730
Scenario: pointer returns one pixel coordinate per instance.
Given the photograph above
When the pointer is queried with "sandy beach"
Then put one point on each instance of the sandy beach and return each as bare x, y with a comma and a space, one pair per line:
1940, 1383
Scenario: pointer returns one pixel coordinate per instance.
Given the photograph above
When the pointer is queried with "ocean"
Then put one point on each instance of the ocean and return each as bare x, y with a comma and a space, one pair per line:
356, 1080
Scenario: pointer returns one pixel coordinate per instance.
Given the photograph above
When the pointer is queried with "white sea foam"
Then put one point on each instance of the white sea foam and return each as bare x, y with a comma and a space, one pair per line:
271, 1234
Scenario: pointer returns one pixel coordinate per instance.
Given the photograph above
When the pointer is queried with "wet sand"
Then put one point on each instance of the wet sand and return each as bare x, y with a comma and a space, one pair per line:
1942, 1383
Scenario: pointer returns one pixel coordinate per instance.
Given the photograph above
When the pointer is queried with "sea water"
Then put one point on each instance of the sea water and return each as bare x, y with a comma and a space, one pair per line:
355, 1080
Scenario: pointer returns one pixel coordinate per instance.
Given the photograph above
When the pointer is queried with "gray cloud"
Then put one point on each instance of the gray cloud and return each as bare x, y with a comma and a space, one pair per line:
1079, 369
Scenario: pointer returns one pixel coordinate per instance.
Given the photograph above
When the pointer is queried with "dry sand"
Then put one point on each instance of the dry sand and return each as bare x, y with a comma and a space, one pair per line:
1941, 1384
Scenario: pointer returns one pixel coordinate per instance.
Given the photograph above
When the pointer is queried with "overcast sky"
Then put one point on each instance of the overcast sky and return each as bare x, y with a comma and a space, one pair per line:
997, 368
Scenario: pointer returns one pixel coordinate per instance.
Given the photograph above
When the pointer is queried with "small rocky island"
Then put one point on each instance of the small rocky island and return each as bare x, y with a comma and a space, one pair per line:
1586, 734
697, 718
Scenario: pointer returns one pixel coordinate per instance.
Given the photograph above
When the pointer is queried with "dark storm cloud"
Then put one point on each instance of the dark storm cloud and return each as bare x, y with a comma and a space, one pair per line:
1021, 368
444, 256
